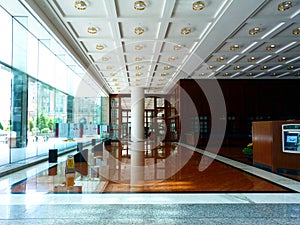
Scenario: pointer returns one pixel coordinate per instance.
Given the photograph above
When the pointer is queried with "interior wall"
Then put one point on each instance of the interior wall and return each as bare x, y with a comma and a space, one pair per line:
247, 101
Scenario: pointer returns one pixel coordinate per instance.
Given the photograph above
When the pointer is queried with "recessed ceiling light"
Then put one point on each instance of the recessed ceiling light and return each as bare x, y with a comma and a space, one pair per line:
274, 74
199, 5
92, 30
186, 30
254, 31
138, 47
250, 74
201, 74
138, 59
163, 74
237, 68
264, 67
177, 47
100, 47
138, 74
291, 68
270, 47
220, 59
226, 74
210, 67
282, 59
167, 67
139, 30
112, 74
296, 30
80, 5
140, 5
138, 67
234, 47
251, 59
284, 6
109, 67
171, 59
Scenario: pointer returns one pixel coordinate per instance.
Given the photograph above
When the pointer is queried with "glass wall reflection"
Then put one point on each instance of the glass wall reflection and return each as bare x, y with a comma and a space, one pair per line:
39, 85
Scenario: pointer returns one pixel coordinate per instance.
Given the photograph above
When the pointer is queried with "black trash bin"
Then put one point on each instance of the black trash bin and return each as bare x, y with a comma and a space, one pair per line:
52, 156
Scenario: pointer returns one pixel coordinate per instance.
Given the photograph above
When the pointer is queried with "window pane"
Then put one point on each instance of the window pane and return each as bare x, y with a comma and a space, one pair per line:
6, 40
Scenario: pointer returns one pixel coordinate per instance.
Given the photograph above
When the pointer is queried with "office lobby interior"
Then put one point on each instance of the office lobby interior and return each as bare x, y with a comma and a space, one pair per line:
149, 112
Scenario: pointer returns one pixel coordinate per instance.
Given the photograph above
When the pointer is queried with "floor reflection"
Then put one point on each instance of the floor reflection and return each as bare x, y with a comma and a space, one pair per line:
146, 167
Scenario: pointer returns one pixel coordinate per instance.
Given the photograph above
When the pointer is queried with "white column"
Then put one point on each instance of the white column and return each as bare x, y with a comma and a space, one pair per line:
137, 114
137, 137
137, 169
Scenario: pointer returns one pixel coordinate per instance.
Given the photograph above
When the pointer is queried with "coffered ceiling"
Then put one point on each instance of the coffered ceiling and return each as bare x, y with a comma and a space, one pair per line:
168, 40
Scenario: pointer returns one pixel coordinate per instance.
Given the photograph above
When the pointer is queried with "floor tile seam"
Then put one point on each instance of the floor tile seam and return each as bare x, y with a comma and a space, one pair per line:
288, 183
61, 199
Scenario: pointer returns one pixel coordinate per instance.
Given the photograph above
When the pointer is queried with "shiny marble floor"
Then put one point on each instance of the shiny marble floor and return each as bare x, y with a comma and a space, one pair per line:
178, 184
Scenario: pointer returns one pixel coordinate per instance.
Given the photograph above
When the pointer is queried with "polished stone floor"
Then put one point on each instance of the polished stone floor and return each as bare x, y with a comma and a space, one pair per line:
165, 184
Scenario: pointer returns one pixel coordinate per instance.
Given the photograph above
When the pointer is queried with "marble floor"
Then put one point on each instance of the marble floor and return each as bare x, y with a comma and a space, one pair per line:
169, 184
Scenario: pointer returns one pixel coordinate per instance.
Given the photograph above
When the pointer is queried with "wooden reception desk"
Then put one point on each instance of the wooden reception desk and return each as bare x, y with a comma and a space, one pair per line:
267, 148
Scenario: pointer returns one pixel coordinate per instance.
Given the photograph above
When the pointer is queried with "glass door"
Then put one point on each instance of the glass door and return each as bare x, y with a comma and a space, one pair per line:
5, 119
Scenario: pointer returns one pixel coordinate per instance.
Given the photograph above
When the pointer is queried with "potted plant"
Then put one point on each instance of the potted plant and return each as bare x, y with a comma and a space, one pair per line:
248, 151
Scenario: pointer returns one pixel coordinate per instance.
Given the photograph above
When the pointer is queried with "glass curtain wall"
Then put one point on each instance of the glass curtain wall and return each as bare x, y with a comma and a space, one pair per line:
39, 80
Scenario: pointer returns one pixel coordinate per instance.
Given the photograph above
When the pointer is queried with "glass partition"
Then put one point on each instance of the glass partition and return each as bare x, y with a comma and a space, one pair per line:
5, 122
39, 84
5, 37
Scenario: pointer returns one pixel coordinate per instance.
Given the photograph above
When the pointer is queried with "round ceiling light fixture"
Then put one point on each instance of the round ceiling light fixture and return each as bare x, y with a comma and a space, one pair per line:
100, 47
92, 30
264, 67
282, 59
186, 30
234, 47
271, 47
171, 59
80, 5
139, 30
138, 47
220, 59
251, 59
284, 6
198, 6
296, 30
177, 47
140, 5
291, 68
254, 31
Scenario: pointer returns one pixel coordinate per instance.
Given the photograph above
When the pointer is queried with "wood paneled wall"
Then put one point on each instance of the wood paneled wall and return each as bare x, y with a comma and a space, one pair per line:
247, 101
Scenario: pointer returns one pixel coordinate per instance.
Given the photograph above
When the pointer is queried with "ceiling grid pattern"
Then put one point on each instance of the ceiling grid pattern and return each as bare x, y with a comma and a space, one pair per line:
168, 40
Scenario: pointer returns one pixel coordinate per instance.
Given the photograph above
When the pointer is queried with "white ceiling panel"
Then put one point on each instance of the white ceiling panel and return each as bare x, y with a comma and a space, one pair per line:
252, 25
